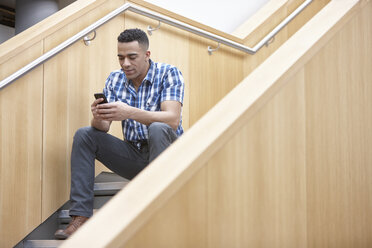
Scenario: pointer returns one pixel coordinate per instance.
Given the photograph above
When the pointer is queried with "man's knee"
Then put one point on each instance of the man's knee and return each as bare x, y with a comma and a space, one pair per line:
161, 135
83, 134
157, 127
159, 131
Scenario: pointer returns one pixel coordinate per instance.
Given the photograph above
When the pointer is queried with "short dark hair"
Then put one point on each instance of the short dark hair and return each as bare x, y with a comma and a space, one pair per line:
134, 34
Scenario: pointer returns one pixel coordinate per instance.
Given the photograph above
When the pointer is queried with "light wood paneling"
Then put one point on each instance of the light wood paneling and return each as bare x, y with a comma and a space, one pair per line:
339, 138
71, 79
211, 76
181, 222
288, 166
252, 192
203, 203
297, 174
257, 181
20, 150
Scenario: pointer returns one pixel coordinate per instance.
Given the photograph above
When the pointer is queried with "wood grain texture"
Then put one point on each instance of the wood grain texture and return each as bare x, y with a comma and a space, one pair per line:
289, 167
182, 222
257, 198
291, 179
257, 181
71, 78
211, 76
339, 124
20, 150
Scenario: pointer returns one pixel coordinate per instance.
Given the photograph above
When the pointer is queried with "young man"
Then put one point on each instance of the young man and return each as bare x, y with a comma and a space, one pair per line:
147, 98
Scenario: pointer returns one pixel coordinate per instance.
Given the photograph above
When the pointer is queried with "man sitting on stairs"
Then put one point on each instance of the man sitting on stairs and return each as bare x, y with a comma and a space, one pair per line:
147, 98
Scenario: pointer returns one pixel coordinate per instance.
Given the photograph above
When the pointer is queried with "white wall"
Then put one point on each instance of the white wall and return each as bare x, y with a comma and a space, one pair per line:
6, 33
222, 15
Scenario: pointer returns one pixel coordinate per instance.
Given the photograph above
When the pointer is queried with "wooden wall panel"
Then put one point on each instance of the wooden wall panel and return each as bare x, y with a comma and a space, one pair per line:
181, 222
211, 76
251, 193
339, 138
256, 181
298, 173
71, 79
289, 168
20, 149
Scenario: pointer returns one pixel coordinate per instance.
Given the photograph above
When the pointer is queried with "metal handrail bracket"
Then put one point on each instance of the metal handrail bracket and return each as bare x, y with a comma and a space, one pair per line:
145, 12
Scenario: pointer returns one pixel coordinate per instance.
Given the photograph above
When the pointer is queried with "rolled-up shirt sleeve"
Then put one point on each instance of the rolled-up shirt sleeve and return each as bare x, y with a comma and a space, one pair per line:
173, 86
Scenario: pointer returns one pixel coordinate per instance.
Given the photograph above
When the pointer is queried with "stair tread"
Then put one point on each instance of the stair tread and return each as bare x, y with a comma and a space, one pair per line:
109, 177
42, 243
109, 188
109, 185
106, 185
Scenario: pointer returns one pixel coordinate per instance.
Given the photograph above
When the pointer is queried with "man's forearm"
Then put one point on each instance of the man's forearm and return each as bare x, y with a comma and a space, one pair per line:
101, 125
170, 114
148, 117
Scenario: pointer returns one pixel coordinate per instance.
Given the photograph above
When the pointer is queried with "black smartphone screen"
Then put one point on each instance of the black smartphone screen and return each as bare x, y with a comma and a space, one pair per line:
101, 95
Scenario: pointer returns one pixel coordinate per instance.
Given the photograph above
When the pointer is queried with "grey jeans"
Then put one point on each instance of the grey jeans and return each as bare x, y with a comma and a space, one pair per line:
122, 157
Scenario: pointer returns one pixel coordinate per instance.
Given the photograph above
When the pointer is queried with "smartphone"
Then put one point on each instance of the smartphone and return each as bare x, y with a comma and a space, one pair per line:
101, 95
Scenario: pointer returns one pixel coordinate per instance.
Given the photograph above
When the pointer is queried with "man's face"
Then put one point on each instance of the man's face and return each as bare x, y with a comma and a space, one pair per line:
134, 60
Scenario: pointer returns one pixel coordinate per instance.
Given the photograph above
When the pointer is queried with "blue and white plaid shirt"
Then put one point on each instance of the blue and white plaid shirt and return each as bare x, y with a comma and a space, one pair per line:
163, 82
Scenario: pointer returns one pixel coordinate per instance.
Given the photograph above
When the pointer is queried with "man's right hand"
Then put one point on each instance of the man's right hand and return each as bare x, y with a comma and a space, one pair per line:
97, 121
94, 108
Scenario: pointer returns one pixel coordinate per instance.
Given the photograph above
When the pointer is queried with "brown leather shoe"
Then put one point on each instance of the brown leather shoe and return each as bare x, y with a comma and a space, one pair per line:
76, 222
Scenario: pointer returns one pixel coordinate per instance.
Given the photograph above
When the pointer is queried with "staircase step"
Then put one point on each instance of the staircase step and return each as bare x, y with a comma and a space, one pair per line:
110, 188
106, 185
42, 243
100, 189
